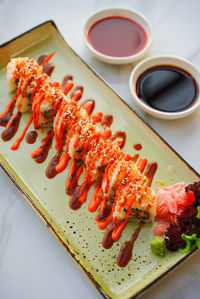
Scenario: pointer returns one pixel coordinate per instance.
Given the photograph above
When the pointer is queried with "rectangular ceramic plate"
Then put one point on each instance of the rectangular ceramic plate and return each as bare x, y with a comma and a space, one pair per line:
77, 230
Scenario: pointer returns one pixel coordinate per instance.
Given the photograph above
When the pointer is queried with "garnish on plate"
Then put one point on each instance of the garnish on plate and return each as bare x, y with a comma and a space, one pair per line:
158, 246
187, 224
178, 212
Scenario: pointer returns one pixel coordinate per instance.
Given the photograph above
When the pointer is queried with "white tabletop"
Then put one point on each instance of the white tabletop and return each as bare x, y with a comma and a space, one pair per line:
33, 264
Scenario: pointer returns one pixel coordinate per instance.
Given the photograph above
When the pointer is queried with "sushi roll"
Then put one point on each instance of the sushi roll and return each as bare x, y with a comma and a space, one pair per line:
133, 202
25, 76
68, 114
99, 156
46, 104
136, 201
114, 174
125, 195
124, 185
120, 188
14, 69
81, 137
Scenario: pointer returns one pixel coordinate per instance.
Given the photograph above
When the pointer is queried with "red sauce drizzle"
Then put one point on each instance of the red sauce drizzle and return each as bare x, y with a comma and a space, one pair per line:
135, 157
4, 119
120, 137
107, 239
107, 132
51, 168
96, 198
41, 153
119, 227
103, 214
73, 177
97, 117
67, 84
19, 139
48, 67
74, 202
11, 127
41, 59
125, 253
88, 105
142, 164
76, 94
107, 120
150, 172
84, 188
31, 137
62, 164
9, 105
47, 58
137, 146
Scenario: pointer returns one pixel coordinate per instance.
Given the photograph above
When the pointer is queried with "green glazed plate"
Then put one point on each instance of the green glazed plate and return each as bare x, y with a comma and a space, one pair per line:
77, 230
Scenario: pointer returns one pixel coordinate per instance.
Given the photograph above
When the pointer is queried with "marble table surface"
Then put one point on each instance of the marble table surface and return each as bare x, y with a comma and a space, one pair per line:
33, 264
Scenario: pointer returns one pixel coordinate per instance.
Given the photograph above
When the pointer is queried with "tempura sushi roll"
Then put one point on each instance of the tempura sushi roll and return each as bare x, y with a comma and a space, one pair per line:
46, 105
82, 134
115, 174
67, 116
99, 156
27, 76
14, 70
124, 185
137, 200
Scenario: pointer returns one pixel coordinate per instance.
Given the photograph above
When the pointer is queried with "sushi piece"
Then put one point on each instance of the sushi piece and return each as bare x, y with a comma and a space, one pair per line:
26, 76
14, 69
135, 201
124, 197
99, 156
81, 137
68, 114
46, 104
114, 174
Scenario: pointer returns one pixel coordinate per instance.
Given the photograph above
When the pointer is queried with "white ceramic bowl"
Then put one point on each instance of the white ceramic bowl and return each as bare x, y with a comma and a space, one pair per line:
163, 60
120, 12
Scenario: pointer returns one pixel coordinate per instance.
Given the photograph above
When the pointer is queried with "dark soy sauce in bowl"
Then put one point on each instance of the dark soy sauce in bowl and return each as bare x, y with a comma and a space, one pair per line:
167, 88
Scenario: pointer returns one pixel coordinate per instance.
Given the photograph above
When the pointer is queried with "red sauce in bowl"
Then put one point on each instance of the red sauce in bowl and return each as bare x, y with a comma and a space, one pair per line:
117, 36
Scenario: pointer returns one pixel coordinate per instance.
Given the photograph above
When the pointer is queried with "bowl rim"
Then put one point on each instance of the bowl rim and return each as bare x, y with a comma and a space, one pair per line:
154, 62
115, 59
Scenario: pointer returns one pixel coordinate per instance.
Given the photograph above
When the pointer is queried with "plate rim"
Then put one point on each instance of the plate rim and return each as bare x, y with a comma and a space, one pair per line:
48, 224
